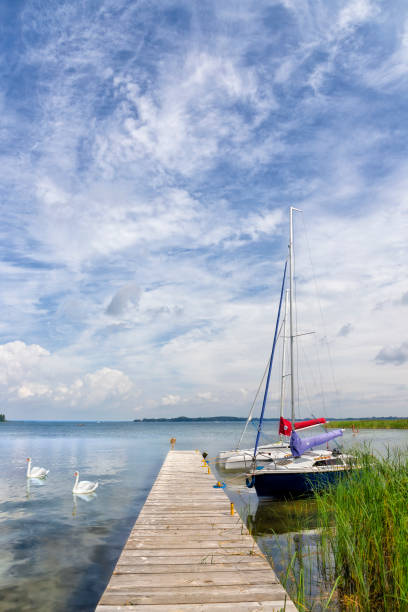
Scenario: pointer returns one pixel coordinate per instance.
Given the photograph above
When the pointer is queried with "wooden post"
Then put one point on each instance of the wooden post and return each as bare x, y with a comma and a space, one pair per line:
232, 508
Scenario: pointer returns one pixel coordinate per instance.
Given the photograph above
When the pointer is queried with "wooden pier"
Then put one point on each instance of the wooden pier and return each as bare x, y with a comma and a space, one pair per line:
187, 552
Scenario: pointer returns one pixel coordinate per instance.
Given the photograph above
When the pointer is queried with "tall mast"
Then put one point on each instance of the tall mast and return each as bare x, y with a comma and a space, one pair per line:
283, 356
291, 329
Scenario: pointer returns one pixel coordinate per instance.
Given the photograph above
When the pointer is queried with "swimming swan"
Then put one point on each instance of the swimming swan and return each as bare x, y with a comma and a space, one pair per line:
83, 487
35, 472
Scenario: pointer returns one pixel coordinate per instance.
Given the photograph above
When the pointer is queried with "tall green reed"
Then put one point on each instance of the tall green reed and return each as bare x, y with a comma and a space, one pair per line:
364, 522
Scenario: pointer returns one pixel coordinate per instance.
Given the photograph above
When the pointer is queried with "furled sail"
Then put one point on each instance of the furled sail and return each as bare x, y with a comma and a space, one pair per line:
298, 445
285, 426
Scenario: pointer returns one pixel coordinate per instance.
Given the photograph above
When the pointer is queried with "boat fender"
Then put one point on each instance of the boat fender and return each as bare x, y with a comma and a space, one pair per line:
250, 482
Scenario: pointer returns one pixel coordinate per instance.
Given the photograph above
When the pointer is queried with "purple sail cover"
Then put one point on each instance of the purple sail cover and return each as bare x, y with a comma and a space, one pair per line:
299, 446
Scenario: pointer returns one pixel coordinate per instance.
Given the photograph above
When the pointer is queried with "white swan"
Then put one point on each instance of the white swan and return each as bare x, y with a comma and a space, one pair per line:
35, 472
83, 487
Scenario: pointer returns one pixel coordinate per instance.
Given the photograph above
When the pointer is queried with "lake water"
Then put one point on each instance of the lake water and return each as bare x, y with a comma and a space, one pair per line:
58, 551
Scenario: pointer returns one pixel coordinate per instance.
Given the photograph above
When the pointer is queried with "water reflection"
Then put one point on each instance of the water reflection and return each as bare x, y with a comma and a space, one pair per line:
85, 498
279, 517
33, 482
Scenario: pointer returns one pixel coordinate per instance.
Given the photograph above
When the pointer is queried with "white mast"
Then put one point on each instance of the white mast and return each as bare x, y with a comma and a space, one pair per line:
283, 356
292, 335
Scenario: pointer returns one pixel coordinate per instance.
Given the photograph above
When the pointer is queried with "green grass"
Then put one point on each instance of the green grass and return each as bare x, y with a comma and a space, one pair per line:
364, 529
370, 424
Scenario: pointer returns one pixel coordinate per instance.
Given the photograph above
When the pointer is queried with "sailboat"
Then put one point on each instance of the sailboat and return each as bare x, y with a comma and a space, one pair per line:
242, 458
302, 470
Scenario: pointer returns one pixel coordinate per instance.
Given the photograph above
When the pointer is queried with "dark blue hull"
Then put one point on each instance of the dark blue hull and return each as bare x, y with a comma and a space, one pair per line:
284, 485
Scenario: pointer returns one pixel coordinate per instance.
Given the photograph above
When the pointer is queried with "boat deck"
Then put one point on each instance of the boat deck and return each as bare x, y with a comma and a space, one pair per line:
187, 551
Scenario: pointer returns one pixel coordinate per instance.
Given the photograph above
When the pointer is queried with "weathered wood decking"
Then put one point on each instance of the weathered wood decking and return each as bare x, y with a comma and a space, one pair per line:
187, 552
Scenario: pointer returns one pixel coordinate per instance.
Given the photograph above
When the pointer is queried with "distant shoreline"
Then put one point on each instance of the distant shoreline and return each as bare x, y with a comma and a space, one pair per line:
182, 419
369, 423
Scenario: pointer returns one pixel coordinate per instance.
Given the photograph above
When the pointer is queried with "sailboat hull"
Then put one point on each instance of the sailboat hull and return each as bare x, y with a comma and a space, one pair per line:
284, 485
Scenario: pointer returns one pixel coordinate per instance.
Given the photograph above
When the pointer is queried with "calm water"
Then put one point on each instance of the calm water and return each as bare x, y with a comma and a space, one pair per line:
57, 551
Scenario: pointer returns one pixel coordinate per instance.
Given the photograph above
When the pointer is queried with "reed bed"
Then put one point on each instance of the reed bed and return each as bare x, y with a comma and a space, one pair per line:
370, 424
364, 534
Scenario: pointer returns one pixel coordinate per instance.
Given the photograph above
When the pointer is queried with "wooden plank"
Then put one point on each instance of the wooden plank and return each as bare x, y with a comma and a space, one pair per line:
190, 595
131, 567
192, 558
206, 545
230, 538
250, 606
187, 552
203, 533
203, 552
211, 577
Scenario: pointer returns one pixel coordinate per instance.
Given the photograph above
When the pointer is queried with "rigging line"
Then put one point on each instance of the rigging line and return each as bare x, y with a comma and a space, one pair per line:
253, 404
310, 376
270, 366
308, 389
287, 373
296, 343
265, 436
322, 318
319, 370
321, 376
256, 396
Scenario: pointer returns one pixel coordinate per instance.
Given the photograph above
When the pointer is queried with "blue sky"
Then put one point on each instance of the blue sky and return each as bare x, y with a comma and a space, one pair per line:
149, 154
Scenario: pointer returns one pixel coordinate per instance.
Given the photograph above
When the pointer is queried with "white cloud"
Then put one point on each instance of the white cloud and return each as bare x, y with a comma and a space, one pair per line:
29, 390
18, 360
207, 396
355, 13
105, 384
170, 400
31, 372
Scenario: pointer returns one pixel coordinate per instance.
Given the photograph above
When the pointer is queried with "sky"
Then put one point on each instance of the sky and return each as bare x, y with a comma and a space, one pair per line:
150, 152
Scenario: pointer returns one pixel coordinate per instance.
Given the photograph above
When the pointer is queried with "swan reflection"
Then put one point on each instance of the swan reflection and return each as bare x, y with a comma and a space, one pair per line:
85, 497
35, 482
